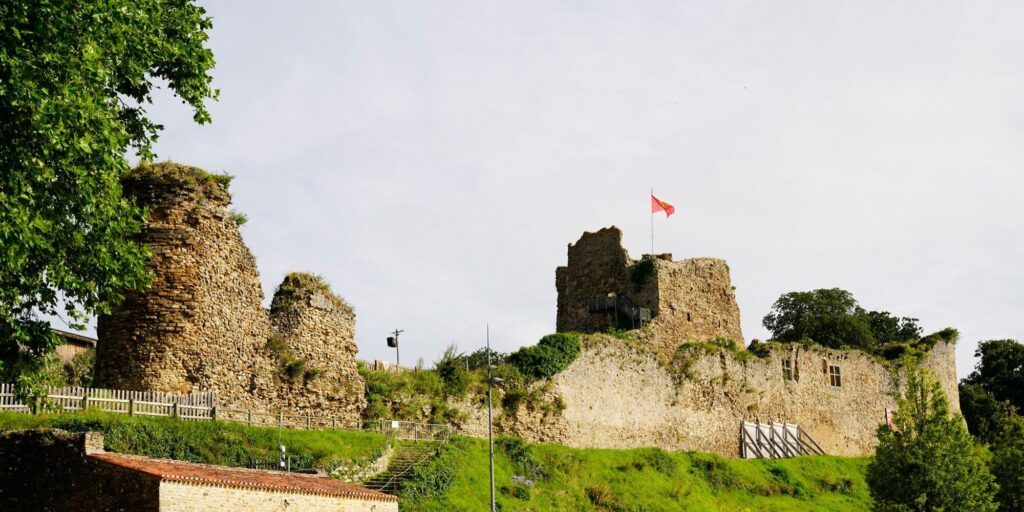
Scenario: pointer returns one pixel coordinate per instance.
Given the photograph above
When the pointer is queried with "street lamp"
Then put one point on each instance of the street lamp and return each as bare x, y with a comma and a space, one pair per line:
491, 380
393, 343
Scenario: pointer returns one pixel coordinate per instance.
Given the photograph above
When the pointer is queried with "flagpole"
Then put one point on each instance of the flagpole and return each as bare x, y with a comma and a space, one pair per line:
652, 223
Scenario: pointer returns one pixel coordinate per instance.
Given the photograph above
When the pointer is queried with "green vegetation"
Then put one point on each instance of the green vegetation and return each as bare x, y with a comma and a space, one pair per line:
1007, 461
76, 78
552, 354
212, 442
291, 368
646, 479
928, 461
408, 396
832, 317
238, 217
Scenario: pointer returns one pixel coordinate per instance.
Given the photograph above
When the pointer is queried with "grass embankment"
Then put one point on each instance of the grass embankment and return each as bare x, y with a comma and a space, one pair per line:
229, 444
647, 480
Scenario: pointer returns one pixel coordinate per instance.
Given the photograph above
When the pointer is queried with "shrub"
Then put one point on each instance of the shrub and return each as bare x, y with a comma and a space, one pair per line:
552, 354
1007, 461
451, 370
238, 217
928, 462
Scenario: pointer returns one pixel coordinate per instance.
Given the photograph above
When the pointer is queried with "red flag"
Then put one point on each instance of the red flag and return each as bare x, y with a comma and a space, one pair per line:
657, 205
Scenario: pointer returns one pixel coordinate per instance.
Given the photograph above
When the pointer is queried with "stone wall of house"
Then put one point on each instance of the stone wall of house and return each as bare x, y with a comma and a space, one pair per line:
315, 329
690, 300
48, 470
180, 497
201, 325
620, 394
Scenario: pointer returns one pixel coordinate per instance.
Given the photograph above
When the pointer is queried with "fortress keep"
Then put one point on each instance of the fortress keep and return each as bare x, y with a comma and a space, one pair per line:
680, 301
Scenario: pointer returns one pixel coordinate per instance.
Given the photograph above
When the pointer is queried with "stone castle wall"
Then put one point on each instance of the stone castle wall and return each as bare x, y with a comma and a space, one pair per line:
690, 300
618, 395
201, 326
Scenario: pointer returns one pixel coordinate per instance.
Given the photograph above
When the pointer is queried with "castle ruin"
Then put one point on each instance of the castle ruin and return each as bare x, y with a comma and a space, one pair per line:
657, 387
201, 325
601, 287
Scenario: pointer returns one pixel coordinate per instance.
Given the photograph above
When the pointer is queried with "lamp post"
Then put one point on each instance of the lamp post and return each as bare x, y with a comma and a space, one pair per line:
393, 343
490, 417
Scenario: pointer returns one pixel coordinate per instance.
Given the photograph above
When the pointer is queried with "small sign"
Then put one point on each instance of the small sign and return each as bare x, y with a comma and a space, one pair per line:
394, 424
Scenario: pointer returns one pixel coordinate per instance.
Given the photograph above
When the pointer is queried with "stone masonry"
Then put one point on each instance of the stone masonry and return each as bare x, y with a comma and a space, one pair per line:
201, 325
690, 300
622, 394
317, 328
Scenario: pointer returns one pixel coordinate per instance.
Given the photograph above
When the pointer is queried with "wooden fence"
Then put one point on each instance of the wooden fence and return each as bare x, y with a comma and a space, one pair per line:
203, 407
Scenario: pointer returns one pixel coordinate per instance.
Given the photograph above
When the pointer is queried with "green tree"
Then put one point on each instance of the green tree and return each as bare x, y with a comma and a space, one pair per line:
829, 316
1007, 461
1000, 371
986, 415
928, 462
887, 328
75, 79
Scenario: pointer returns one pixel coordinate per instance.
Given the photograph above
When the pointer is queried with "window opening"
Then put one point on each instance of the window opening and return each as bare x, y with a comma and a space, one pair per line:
835, 378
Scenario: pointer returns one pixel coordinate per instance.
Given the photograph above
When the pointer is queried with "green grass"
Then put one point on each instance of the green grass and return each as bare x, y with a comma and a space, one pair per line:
634, 480
224, 443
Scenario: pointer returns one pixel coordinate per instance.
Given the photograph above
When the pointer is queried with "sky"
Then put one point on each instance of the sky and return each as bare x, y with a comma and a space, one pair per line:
432, 160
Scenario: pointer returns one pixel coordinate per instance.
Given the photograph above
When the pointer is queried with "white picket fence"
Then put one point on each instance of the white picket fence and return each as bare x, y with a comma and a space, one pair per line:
195, 406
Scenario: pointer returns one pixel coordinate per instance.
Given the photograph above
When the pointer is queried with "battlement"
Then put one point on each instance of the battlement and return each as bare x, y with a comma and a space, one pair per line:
687, 300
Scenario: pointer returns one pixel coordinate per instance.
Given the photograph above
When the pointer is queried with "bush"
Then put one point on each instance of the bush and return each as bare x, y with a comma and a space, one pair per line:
1007, 461
451, 369
554, 353
928, 462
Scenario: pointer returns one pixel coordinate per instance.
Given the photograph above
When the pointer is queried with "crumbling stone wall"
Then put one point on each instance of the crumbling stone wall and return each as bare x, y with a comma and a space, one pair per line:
201, 326
316, 329
690, 300
620, 394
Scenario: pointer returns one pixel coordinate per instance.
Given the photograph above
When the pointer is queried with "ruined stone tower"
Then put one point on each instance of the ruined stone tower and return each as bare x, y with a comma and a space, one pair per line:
314, 331
201, 325
687, 300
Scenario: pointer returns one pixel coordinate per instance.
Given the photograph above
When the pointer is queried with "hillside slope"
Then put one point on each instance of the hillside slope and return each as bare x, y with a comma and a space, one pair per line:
645, 479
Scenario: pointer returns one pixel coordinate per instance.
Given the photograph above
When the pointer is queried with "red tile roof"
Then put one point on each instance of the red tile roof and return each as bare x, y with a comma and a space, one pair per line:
221, 476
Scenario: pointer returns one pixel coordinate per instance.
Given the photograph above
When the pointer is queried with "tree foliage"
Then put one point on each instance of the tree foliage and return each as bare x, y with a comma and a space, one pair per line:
928, 462
1007, 461
75, 79
1000, 371
552, 354
833, 318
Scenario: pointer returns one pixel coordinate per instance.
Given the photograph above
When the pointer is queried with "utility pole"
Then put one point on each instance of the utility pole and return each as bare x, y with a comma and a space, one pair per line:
393, 342
490, 418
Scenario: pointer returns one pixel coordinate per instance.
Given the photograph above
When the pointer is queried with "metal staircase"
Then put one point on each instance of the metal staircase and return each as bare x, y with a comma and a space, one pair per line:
623, 309
408, 455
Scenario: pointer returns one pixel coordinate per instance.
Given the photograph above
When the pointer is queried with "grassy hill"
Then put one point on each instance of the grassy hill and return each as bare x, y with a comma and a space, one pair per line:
647, 480
229, 444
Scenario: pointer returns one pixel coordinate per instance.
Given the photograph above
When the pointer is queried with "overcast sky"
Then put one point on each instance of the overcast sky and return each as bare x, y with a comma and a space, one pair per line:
433, 160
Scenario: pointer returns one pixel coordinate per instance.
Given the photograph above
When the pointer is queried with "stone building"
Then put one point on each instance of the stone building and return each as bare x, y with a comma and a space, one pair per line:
60, 471
602, 287
201, 325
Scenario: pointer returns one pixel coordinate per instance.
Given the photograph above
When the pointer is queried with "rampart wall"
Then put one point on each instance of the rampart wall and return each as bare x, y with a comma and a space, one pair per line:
619, 394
